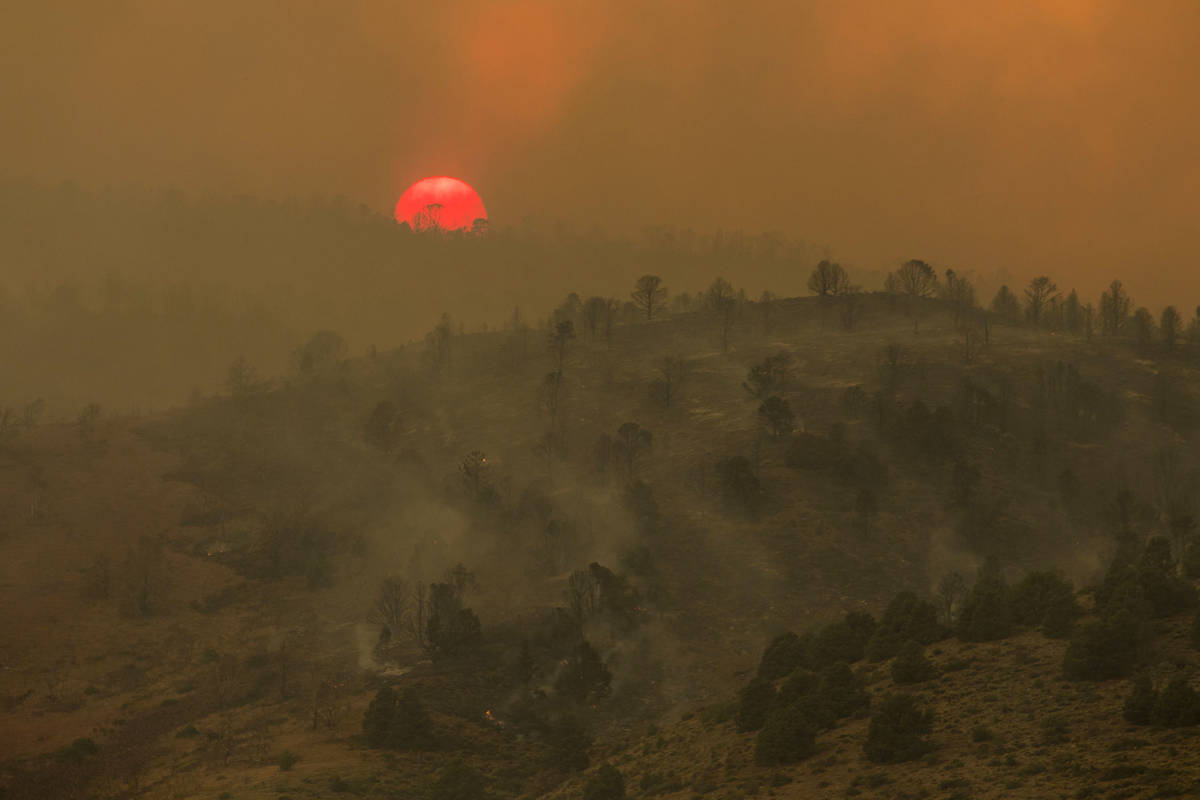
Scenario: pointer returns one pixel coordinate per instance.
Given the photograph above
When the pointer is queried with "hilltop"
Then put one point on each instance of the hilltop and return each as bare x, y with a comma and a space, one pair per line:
197, 593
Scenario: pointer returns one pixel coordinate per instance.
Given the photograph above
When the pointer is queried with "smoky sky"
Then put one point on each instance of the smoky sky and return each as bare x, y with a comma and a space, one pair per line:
1055, 136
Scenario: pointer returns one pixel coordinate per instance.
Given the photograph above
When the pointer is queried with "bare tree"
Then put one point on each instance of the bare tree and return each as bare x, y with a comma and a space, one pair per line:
631, 443
959, 294
952, 589
593, 313
1040, 293
673, 371
392, 603
721, 298
560, 336
649, 294
916, 280
828, 279
1115, 305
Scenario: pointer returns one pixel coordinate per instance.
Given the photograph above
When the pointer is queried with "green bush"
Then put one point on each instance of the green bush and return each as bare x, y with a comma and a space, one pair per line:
1045, 599
845, 640
841, 691
605, 783
911, 666
787, 737
1104, 649
786, 653
1178, 705
1139, 705
986, 613
897, 729
287, 760
397, 721
799, 685
458, 781
754, 703
907, 617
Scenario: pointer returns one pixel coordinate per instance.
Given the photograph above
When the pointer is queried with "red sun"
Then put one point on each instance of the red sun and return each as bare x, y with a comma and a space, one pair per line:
441, 203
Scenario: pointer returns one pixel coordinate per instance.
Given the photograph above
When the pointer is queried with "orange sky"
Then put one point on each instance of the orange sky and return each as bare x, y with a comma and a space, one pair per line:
1045, 135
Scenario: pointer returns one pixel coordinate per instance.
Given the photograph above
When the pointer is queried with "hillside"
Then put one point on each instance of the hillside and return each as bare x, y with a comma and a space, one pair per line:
196, 592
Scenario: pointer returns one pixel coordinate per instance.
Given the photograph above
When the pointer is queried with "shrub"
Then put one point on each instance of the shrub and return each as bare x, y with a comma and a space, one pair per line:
982, 733
1178, 705
1045, 599
986, 614
458, 781
787, 737
841, 691
569, 745
786, 653
396, 721
1104, 649
754, 703
843, 641
896, 731
584, 675
287, 760
605, 784
78, 750
740, 489
187, 732
911, 666
1139, 705
799, 685
907, 617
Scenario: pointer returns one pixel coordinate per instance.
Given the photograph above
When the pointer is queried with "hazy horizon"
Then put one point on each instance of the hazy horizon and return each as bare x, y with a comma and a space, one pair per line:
1051, 137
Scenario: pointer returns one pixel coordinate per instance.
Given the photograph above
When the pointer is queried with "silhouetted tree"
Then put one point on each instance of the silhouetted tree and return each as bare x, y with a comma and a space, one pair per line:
1005, 305
828, 279
916, 280
631, 443
560, 336
673, 371
720, 298
769, 376
1114, 308
649, 295
1040, 293
959, 294
1171, 325
1143, 328
594, 309
776, 414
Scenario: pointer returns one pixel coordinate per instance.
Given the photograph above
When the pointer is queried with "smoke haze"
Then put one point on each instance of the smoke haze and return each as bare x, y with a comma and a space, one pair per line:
1054, 136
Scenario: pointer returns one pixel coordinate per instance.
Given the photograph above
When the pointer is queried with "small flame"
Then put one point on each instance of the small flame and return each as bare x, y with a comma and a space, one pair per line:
491, 717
